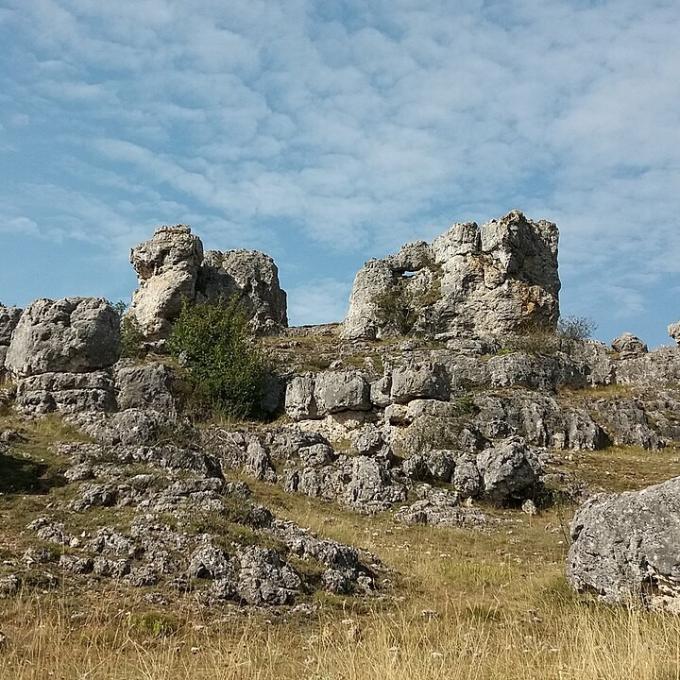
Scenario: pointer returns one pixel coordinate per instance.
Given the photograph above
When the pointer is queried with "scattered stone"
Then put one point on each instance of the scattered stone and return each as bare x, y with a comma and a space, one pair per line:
629, 345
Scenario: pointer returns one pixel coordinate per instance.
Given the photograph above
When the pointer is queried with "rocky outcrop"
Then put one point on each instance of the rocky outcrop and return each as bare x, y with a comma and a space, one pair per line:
629, 345
167, 268
625, 546
472, 281
172, 267
60, 352
9, 318
674, 331
254, 278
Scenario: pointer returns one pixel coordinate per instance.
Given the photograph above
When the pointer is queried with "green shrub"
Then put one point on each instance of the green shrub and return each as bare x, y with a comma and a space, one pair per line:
156, 624
224, 366
131, 339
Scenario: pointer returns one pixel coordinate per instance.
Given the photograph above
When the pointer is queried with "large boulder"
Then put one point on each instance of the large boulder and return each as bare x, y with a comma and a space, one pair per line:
493, 280
626, 546
167, 268
254, 278
72, 335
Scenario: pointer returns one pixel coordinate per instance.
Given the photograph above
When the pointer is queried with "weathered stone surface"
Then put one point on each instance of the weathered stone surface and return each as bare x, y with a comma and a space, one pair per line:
441, 508
628, 345
625, 546
432, 466
317, 395
674, 331
658, 368
509, 470
419, 381
167, 269
147, 385
66, 392
72, 335
471, 281
171, 267
254, 278
9, 318
337, 391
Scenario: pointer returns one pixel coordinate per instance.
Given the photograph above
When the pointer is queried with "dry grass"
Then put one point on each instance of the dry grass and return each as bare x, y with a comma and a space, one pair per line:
458, 604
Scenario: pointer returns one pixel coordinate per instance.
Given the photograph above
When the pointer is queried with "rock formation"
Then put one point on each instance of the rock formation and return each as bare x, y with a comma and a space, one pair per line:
626, 546
171, 267
628, 345
59, 353
9, 318
167, 269
674, 331
472, 281
254, 278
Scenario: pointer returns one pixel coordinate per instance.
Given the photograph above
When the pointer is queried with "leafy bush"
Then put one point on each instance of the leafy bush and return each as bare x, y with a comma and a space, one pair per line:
131, 339
576, 328
225, 369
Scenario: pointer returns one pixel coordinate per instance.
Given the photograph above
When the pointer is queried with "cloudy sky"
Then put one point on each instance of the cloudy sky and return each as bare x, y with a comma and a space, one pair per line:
327, 132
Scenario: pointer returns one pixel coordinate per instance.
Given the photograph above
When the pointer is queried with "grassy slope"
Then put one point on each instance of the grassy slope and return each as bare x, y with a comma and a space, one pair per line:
462, 604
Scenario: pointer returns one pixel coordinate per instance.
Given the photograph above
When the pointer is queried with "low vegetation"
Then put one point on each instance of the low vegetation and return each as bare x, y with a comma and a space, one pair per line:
223, 364
457, 603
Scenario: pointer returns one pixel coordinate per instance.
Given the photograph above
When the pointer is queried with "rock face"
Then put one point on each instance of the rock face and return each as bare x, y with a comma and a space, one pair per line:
674, 331
9, 318
72, 335
626, 546
171, 267
167, 269
254, 277
59, 352
471, 281
629, 345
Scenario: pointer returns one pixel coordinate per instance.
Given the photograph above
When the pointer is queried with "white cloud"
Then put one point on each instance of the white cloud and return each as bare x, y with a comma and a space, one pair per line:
357, 130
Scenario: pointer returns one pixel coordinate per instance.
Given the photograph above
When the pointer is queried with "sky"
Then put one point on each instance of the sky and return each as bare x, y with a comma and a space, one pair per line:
328, 132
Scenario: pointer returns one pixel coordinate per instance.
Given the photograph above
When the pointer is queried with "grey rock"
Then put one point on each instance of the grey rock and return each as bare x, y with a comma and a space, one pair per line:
76, 564
253, 277
145, 386
209, 561
167, 268
441, 508
509, 470
72, 335
66, 393
9, 318
109, 568
337, 391
263, 579
9, 585
657, 369
628, 345
674, 331
471, 281
419, 381
437, 466
300, 401
625, 546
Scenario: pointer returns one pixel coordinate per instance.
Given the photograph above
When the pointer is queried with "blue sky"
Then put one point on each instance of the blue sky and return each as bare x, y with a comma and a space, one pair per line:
326, 133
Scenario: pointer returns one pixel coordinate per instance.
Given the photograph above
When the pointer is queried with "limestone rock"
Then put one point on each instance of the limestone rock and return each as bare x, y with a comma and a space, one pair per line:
674, 331
171, 267
471, 281
9, 318
72, 335
317, 395
625, 546
419, 381
629, 345
509, 471
254, 278
66, 392
144, 386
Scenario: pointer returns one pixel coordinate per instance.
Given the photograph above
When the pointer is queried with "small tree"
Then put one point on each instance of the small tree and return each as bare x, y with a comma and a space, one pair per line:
131, 334
224, 367
576, 328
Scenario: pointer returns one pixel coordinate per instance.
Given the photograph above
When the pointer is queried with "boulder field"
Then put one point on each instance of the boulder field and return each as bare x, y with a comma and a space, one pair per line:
447, 392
